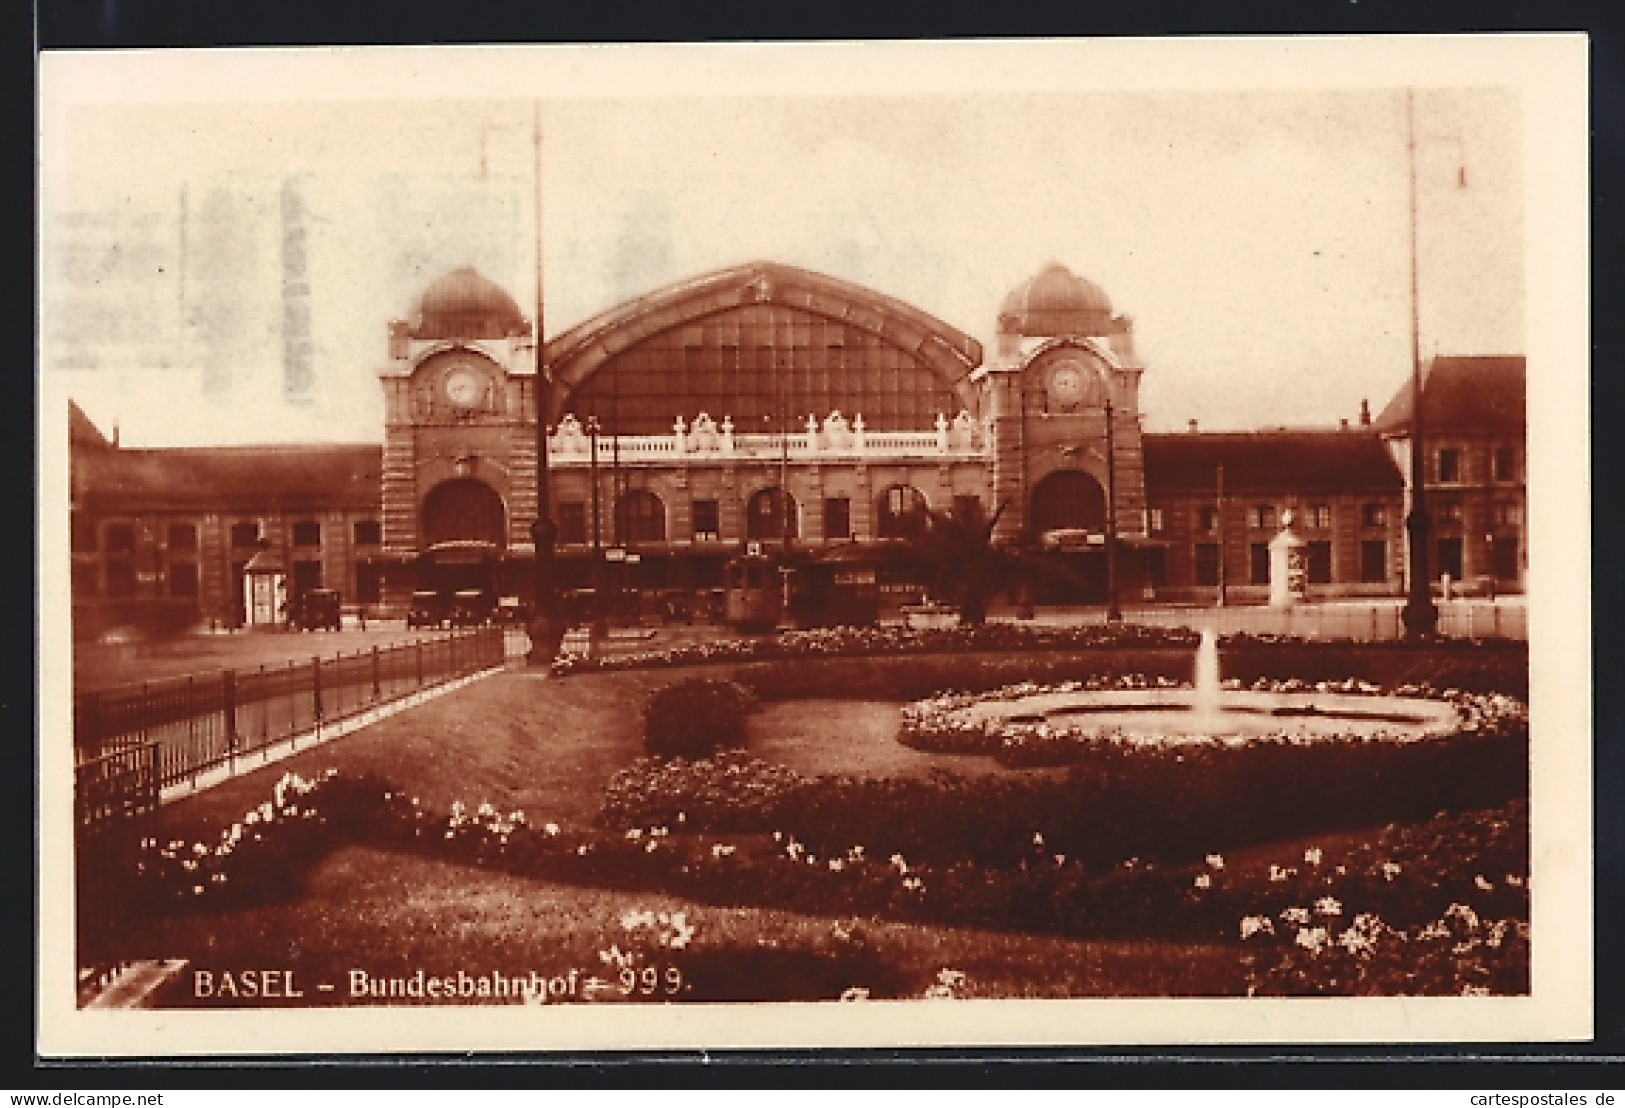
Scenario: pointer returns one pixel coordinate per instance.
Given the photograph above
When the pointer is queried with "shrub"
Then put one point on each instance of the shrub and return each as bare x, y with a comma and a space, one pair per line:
696, 718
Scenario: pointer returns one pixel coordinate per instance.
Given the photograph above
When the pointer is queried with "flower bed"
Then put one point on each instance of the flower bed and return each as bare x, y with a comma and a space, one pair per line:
945, 723
848, 641
1436, 908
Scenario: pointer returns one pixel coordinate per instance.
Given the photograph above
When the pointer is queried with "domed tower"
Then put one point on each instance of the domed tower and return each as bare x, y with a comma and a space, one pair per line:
1063, 368
459, 481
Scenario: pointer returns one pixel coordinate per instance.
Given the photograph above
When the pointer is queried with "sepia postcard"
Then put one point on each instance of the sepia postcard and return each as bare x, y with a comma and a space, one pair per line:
1034, 543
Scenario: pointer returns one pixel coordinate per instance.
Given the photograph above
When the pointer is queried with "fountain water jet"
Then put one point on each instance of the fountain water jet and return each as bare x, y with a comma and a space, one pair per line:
1205, 703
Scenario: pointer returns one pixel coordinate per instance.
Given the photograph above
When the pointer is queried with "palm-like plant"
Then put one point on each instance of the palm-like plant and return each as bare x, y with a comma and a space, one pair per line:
954, 550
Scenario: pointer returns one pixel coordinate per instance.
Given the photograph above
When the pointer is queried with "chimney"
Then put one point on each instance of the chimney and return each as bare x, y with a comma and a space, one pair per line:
1365, 413
1192, 427
1343, 425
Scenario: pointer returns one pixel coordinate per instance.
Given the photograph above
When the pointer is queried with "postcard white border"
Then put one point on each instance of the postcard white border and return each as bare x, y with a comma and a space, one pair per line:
1550, 71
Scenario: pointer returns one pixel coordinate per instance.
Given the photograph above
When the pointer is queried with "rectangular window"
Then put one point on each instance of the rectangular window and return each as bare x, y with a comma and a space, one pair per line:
1374, 561
182, 536
183, 580
368, 532
1261, 517
1207, 563
1320, 562
1258, 563
837, 518
245, 534
87, 580
572, 522
368, 583
1319, 517
1509, 514
1207, 520
707, 521
1449, 465
1449, 562
120, 580
119, 538
306, 576
1504, 463
81, 534
307, 532
1450, 514
1153, 520
1373, 515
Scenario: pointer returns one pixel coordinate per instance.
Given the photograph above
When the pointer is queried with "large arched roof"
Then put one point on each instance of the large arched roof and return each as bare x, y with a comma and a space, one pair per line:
573, 355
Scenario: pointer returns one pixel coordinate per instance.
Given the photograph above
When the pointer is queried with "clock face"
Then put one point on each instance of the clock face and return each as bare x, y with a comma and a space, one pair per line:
463, 387
1068, 383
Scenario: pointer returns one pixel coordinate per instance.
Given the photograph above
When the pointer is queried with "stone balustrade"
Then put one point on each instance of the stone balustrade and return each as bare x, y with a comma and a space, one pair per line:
706, 441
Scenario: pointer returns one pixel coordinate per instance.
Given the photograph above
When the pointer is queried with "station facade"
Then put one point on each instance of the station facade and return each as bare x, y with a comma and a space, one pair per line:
769, 407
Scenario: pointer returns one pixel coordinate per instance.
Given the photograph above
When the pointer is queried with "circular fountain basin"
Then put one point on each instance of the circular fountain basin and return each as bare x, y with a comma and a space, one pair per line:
1172, 715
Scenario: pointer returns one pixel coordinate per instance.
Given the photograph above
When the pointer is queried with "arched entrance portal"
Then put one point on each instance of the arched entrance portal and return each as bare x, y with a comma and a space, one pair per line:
464, 534
464, 509
1068, 500
1068, 519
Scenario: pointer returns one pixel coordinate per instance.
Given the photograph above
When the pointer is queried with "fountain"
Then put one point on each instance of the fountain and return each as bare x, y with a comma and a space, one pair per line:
1207, 710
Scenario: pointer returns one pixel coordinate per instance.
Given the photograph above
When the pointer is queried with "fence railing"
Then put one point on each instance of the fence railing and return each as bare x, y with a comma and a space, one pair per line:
115, 800
200, 722
1358, 622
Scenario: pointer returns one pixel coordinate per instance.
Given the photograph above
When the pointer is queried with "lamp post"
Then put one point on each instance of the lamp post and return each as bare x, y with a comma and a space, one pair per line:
1218, 526
546, 628
1421, 617
1114, 613
598, 571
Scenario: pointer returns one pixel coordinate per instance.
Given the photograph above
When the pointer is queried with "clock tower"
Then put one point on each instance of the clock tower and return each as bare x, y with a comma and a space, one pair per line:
459, 481
1063, 388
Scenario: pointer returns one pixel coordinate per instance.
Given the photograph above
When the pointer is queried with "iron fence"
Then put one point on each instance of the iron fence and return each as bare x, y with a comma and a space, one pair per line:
115, 804
199, 722
1353, 621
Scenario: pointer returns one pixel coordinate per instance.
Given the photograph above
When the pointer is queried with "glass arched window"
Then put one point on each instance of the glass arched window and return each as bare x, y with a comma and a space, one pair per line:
766, 514
641, 517
901, 513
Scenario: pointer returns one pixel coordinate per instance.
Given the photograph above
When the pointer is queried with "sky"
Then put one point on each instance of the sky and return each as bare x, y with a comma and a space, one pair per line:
1258, 236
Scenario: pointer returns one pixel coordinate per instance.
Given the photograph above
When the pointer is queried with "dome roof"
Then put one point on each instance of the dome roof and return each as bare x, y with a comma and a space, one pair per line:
464, 305
1056, 301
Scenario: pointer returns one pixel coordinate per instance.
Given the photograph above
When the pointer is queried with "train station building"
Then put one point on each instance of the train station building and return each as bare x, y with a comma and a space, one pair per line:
769, 407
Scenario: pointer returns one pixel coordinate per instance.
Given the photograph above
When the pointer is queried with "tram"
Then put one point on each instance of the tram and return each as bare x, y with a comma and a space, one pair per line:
837, 588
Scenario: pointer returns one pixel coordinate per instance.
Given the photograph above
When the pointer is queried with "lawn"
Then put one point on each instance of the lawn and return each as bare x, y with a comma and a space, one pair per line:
548, 746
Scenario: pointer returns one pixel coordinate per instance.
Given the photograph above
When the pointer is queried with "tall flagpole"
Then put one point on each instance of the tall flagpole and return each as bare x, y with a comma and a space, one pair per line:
1420, 616
546, 627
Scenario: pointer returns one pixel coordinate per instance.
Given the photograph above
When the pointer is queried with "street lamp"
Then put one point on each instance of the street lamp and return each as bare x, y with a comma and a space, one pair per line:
1114, 613
1421, 617
546, 629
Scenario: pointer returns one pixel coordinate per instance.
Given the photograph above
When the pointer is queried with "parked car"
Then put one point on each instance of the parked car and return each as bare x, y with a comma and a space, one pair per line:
472, 608
426, 610
315, 609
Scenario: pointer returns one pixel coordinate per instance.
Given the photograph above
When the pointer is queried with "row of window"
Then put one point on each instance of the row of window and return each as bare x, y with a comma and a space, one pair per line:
1264, 517
1450, 465
1318, 556
120, 537
771, 513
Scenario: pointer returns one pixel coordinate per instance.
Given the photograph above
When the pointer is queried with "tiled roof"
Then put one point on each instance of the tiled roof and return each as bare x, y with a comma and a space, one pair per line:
1463, 394
245, 478
1283, 461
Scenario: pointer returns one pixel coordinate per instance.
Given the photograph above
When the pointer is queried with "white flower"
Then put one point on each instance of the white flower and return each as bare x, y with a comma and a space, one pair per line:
1312, 938
550, 829
836, 865
633, 834
855, 993
1514, 881
721, 850
1483, 884
1390, 870
1216, 861
1295, 915
1328, 906
1253, 925
1277, 873
1038, 838
1203, 881
1312, 856
1475, 990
